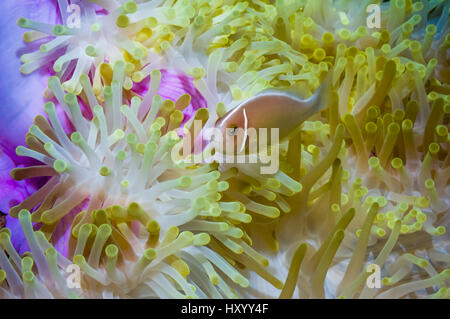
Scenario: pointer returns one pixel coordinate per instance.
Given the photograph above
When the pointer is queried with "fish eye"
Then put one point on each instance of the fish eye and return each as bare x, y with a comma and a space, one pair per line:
232, 130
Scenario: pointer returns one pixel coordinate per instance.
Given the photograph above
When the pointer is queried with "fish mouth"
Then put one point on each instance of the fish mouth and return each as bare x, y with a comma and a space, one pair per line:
222, 123
219, 122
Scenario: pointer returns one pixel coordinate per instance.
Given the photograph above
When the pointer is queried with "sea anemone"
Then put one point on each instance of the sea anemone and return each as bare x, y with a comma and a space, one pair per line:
361, 190
377, 191
87, 37
119, 168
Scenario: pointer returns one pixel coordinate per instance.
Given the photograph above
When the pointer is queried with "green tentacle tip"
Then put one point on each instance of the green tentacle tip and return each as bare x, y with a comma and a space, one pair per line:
199, 203
213, 185
199, 21
4, 238
187, 237
422, 202
221, 109
122, 21
121, 155
130, 7
59, 30
226, 29
169, 12
132, 139
119, 64
215, 174
164, 45
152, 227
139, 53
23, 22
374, 162
91, 51
197, 72
24, 215
44, 48
60, 166
434, 148
76, 137
111, 251
201, 239
397, 163
140, 148
273, 212
223, 186
79, 260
49, 148
51, 252
446, 273
149, 254
6, 231
440, 230
96, 27
105, 171
429, 184
215, 211
107, 91
57, 67
119, 134
105, 230
184, 181
156, 74
28, 277
27, 264
53, 80
296, 187
386, 281
70, 98
160, 121
152, 22
381, 201
173, 138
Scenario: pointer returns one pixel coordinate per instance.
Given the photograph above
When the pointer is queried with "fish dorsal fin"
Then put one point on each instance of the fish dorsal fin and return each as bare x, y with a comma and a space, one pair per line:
300, 90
